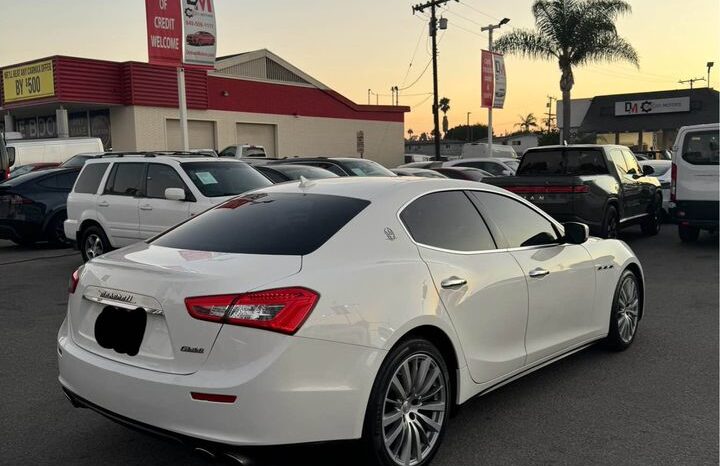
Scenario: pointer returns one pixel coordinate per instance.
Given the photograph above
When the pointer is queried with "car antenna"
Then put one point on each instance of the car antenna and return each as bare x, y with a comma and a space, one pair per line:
305, 183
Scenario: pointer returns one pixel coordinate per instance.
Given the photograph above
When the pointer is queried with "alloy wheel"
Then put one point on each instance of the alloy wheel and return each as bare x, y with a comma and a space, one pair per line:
414, 410
628, 309
93, 246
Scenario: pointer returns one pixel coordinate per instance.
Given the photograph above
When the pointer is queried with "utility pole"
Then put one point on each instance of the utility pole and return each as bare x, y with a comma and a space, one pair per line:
489, 29
710, 64
549, 114
433, 34
369, 93
469, 130
691, 81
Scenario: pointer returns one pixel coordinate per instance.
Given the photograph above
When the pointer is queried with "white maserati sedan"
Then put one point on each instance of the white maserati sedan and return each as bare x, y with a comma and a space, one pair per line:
339, 309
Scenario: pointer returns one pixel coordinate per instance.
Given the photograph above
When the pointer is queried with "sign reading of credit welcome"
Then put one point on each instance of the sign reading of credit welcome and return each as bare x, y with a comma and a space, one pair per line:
31, 81
494, 80
645, 107
164, 31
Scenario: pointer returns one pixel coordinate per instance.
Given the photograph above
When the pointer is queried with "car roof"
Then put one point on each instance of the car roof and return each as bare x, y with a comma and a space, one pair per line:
578, 146
325, 159
399, 188
480, 159
135, 157
30, 176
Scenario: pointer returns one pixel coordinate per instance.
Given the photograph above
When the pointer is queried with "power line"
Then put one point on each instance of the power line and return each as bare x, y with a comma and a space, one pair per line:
422, 101
478, 11
412, 60
452, 12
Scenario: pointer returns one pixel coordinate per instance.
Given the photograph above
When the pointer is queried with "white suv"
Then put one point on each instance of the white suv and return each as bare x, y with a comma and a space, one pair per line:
117, 201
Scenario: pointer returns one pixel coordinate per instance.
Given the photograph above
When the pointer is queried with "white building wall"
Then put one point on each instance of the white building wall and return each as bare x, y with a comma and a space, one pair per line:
296, 136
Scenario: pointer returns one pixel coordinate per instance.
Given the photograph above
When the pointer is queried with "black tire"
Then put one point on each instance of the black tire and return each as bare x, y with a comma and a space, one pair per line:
411, 411
623, 312
651, 226
688, 234
97, 236
55, 231
610, 223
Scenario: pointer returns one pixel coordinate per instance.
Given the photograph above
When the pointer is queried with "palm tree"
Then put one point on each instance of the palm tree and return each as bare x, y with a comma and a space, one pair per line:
410, 134
575, 33
444, 106
526, 122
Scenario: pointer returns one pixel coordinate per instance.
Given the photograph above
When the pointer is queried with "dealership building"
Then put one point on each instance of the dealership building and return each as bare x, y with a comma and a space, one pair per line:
643, 120
249, 98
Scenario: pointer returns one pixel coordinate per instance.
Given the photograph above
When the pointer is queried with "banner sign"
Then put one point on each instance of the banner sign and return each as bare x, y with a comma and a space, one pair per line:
488, 80
164, 32
500, 80
652, 106
200, 32
31, 81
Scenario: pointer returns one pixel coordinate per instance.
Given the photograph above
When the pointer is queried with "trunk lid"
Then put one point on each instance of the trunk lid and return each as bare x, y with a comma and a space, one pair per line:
130, 304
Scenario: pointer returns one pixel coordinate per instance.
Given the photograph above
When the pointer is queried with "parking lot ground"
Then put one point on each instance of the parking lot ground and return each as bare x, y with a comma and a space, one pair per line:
655, 404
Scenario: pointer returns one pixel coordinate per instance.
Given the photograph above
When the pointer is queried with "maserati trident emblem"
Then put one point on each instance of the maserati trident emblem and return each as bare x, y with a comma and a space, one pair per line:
389, 233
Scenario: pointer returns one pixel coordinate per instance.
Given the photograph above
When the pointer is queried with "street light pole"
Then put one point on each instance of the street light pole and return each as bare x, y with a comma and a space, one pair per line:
489, 29
710, 64
468, 126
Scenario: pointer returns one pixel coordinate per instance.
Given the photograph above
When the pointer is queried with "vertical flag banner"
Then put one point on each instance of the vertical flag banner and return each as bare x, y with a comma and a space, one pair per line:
500, 80
200, 32
488, 80
164, 31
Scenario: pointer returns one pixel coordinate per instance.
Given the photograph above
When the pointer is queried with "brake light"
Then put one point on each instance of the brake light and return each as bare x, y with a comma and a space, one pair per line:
74, 280
673, 182
583, 188
281, 310
14, 200
214, 397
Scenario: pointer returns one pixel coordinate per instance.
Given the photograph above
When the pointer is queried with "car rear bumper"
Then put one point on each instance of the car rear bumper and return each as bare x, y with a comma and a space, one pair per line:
306, 391
702, 214
19, 231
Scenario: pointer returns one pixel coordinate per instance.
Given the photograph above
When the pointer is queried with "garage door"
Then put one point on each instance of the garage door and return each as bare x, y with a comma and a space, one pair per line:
257, 135
201, 134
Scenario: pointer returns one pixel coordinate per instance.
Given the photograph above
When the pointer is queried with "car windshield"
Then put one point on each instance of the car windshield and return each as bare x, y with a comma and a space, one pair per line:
217, 179
569, 162
269, 223
76, 161
366, 168
294, 172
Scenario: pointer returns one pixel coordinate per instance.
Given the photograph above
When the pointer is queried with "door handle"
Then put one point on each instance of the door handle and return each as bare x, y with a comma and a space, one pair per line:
453, 282
103, 204
146, 207
538, 273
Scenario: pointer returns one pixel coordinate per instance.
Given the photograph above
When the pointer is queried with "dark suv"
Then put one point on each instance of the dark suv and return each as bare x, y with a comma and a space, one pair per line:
341, 166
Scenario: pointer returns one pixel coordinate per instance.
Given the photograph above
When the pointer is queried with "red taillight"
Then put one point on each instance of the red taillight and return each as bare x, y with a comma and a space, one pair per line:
214, 397
281, 310
673, 182
14, 199
74, 280
583, 188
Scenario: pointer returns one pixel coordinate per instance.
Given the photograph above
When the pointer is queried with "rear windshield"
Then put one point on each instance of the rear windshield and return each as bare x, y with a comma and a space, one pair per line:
366, 168
266, 223
570, 162
701, 148
217, 179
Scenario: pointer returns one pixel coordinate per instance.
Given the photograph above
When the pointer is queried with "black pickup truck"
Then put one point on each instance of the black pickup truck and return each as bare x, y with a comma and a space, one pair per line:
602, 186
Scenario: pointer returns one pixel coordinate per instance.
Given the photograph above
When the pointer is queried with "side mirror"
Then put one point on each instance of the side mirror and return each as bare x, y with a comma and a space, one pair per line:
648, 170
11, 156
576, 233
175, 194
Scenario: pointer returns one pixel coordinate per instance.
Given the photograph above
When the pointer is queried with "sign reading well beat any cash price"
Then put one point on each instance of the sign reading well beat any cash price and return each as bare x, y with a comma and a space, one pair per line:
31, 81
164, 25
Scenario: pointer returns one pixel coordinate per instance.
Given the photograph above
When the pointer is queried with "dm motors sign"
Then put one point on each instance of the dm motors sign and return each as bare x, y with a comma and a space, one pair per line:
652, 106
31, 81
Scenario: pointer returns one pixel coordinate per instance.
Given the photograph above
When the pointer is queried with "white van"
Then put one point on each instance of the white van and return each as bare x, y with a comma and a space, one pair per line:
243, 150
481, 150
55, 150
694, 198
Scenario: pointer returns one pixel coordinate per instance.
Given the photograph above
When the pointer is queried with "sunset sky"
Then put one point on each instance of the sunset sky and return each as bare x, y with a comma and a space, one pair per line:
356, 46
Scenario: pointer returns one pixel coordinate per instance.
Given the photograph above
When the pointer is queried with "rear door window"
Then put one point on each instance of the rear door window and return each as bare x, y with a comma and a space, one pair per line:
701, 148
90, 177
619, 161
126, 179
447, 220
266, 223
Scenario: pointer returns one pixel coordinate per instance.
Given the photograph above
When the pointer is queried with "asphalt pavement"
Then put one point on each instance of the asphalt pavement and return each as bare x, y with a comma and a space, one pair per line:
655, 404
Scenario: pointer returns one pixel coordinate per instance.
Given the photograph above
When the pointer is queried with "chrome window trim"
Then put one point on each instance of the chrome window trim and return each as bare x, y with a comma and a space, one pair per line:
486, 251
